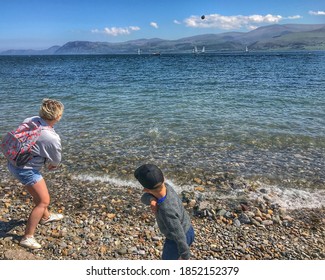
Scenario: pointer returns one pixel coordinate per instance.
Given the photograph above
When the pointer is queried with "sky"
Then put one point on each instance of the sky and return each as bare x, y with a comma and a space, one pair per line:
40, 24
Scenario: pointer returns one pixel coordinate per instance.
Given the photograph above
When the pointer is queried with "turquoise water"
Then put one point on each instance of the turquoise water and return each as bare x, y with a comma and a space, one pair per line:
257, 116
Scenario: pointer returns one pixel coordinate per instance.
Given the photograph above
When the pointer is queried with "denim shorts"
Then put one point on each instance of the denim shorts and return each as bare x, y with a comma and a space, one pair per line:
27, 177
170, 251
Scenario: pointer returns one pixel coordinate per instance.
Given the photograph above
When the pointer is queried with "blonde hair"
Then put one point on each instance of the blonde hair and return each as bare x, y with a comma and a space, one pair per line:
51, 109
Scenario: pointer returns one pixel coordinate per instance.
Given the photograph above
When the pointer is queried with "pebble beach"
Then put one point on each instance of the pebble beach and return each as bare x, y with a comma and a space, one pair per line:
104, 221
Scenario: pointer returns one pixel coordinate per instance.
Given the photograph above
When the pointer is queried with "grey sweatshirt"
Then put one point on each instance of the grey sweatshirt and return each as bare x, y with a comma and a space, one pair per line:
47, 148
173, 221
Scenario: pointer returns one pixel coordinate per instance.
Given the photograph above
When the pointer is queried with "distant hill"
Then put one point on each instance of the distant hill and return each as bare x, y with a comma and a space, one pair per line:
309, 40
272, 37
48, 51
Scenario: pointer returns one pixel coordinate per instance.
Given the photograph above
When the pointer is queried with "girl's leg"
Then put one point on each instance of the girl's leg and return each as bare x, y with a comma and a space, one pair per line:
41, 198
46, 212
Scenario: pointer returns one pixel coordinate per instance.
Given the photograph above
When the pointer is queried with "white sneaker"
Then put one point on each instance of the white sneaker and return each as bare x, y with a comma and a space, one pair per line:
52, 218
30, 242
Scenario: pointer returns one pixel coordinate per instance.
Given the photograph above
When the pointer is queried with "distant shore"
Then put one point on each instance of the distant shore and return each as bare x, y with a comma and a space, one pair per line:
293, 37
108, 222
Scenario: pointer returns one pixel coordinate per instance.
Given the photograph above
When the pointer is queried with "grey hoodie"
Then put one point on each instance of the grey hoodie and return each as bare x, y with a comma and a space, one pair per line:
47, 148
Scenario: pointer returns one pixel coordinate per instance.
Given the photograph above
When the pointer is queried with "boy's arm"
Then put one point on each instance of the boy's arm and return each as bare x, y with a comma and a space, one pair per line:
174, 226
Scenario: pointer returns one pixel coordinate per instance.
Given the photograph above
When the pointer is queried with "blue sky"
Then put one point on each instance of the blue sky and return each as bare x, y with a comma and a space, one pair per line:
40, 24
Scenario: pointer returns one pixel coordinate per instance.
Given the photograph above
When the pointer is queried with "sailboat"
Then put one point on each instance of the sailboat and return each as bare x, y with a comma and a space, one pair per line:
246, 50
195, 50
139, 51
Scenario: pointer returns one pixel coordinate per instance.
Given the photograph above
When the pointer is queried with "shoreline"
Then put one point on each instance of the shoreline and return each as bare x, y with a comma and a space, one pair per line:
104, 221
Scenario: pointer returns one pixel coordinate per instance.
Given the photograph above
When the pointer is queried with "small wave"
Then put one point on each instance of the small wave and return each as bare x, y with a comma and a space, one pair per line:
154, 132
291, 198
124, 183
106, 179
134, 184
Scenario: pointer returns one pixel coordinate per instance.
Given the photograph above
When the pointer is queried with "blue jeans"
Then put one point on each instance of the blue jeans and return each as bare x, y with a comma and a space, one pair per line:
170, 251
27, 177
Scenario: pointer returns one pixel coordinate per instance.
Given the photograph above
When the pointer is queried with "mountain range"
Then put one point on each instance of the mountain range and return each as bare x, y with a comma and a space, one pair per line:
266, 38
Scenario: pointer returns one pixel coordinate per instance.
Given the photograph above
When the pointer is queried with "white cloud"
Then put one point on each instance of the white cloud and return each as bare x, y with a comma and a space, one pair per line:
176, 21
154, 24
134, 28
317, 13
234, 22
115, 31
294, 17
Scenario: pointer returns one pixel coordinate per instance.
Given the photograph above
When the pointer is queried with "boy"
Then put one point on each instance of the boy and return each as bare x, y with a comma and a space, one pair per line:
172, 219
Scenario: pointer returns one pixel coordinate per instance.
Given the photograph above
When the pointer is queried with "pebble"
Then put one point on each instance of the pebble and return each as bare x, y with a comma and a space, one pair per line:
244, 219
267, 222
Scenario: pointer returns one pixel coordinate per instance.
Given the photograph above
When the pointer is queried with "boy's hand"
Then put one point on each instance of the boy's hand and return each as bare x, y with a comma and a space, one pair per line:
154, 206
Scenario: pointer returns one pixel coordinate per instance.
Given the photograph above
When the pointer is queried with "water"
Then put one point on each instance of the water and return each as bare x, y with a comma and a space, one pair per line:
257, 116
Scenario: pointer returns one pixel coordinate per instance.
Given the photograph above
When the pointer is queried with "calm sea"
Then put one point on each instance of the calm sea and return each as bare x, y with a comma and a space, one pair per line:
255, 116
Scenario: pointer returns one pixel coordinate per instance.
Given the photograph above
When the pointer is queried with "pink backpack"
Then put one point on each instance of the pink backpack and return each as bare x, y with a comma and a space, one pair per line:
17, 144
